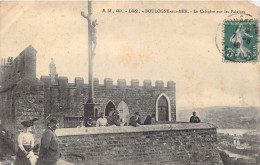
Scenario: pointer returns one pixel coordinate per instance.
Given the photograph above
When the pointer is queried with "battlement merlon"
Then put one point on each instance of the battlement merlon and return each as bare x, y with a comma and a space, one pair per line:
134, 83
108, 83
121, 83
96, 81
79, 81
46, 80
147, 83
171, 84
63, 81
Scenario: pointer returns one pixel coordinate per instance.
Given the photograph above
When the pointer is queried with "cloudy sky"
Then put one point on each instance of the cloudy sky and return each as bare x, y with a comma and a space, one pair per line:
178, 47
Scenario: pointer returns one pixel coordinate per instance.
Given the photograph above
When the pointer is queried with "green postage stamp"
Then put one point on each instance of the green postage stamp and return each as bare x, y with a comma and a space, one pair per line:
240, 40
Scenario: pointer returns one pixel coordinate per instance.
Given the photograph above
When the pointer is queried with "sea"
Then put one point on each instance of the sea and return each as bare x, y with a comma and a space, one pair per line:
235, 131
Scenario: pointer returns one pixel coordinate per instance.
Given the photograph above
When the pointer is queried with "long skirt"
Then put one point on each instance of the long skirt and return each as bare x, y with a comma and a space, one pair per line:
21, 158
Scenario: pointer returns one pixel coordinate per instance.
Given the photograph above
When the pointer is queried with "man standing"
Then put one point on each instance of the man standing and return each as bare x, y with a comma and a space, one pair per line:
194, 118
49, 150
135, 120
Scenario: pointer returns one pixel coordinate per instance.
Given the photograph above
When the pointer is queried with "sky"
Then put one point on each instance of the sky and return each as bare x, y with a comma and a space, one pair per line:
169, 47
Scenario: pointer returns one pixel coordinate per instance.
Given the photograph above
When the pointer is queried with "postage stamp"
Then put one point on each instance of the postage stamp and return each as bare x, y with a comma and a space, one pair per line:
240, 40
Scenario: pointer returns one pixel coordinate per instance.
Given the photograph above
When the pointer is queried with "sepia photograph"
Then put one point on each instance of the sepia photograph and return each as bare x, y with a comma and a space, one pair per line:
129, 83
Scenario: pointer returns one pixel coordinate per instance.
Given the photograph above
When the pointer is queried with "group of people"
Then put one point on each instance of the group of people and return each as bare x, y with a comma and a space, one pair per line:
49, 153
134, 120
114, 120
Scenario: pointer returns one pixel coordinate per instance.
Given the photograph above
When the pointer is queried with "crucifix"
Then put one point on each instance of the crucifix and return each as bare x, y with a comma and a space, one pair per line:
89, 107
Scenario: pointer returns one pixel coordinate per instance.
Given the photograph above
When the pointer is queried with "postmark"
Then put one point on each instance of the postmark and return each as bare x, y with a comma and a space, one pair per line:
240, 40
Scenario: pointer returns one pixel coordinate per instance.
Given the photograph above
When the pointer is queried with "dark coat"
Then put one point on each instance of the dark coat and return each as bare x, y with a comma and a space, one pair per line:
134, 122
194, 119
49, 150
148, 120
112, 121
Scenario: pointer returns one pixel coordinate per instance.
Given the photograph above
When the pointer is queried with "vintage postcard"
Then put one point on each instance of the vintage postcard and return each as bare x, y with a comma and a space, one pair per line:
129, 82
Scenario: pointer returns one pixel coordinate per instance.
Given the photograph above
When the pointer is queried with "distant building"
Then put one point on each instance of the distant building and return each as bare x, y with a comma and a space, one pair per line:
236, 140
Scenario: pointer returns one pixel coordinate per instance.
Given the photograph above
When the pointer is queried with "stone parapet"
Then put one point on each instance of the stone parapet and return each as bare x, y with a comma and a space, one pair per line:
180, 143
130, 129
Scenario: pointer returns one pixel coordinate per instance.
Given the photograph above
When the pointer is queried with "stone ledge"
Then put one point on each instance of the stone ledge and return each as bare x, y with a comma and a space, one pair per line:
130, 129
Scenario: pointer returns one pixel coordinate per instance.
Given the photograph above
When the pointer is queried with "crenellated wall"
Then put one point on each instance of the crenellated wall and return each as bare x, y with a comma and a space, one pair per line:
67, 99
23, 96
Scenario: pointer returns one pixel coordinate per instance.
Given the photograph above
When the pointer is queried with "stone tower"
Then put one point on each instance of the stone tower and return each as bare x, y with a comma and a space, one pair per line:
53, 74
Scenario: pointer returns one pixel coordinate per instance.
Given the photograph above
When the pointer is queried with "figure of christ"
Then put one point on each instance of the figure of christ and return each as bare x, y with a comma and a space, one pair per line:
93, 25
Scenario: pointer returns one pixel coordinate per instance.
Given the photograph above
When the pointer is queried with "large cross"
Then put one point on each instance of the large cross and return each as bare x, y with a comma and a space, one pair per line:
91, 48
90, 105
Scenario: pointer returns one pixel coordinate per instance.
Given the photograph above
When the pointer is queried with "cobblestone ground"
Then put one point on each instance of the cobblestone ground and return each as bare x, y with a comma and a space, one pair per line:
7, 161
7, 156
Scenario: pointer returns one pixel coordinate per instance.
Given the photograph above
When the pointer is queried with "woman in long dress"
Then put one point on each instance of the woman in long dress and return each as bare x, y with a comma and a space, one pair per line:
25, 155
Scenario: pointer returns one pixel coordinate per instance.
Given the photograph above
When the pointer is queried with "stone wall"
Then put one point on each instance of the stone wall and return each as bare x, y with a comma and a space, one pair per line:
67, 99
21, 95
7, 112
29, 104
179, 143
22, 66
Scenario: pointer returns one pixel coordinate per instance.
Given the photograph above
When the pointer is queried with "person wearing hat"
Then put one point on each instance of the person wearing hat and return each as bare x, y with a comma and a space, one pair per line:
25, 155
49, 150
135, 120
